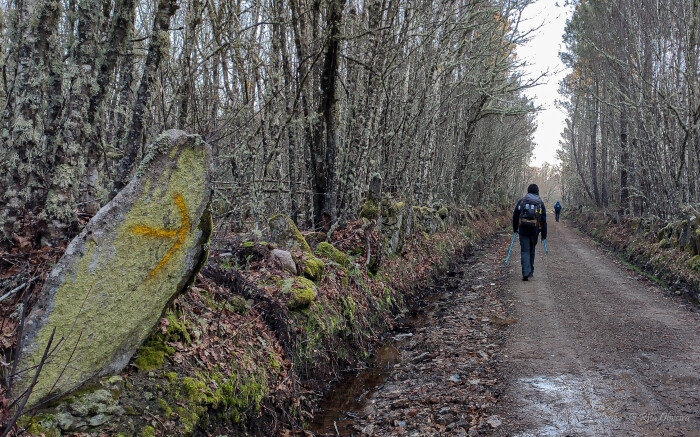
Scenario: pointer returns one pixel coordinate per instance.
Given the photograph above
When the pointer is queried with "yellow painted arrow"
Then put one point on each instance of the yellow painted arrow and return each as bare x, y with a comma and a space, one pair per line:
178, 234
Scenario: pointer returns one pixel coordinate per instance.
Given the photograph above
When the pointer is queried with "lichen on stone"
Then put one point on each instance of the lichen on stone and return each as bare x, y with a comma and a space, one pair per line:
113, 282
159, 146
285, 234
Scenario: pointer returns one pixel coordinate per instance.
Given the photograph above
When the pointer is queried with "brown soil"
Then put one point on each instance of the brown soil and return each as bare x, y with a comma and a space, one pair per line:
585, 348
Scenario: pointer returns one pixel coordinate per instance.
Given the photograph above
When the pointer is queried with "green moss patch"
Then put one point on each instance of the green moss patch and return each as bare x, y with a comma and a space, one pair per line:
328, 251
214, 395
370, 210
694, 263
312, 268
154, 351
303, 293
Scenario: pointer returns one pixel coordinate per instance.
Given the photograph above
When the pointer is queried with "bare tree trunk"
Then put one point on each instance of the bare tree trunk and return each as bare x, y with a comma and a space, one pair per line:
325, 143
24, 163
158, 47
71, 150
594, 148
624, 160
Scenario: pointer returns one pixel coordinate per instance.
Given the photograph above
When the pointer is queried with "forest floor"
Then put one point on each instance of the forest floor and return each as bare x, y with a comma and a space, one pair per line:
586, 347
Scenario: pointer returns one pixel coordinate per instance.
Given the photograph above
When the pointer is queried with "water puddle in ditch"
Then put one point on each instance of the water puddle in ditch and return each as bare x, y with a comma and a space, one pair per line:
351, 393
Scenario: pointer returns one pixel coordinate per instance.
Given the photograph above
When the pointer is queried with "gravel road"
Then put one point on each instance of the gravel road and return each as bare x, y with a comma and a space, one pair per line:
597, 349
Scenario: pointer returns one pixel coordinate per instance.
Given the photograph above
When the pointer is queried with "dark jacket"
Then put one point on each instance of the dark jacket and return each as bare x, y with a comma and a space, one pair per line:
557, 206
543, 218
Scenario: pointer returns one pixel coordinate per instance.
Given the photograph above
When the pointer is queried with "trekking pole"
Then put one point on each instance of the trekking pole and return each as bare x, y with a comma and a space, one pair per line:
510, 249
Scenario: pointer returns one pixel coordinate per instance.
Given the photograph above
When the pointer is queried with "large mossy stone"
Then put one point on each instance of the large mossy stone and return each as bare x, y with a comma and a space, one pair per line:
328, 251
397, 224
110, 288
286, 235
312, 267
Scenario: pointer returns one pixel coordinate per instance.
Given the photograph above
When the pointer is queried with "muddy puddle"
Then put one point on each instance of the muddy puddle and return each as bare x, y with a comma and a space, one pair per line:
349, 396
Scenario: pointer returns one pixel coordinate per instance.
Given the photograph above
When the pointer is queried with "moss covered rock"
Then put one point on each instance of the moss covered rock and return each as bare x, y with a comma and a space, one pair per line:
328, 251
302, 293
397, 224
91, 408
694, 263
286, 235
369, 209
108, 291
312, 268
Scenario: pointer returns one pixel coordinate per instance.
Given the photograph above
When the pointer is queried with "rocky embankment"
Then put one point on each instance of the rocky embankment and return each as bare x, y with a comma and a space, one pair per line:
250, 348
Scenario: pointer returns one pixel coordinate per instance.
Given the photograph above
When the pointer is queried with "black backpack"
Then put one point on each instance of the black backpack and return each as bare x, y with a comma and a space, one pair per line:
530, 213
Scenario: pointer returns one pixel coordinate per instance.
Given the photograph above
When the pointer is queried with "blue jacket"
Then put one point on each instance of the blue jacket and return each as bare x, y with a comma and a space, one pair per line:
543, 218
557, 206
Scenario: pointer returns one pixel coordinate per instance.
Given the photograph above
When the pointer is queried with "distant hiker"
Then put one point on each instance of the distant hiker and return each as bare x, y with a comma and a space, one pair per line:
557, 210
529, 219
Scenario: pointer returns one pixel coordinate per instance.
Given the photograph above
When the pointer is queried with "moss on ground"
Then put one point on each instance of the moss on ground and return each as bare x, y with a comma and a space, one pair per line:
152, 354
215, 395
42, 424
147, 431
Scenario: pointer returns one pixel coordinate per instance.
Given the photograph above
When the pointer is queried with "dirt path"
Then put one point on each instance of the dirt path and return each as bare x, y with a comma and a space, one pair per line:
596, 350
585, 348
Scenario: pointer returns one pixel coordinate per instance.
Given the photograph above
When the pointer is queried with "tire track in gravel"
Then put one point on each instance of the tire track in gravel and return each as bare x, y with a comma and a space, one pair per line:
596, 350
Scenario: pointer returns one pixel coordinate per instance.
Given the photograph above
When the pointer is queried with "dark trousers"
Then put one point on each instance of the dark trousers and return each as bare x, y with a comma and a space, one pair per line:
527, 253
556, 215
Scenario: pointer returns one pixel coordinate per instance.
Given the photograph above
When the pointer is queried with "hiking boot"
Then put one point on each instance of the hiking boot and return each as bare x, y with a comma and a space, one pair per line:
524, 278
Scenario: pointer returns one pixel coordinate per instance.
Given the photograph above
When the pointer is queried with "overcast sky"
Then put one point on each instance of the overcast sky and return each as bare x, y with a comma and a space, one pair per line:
542, 53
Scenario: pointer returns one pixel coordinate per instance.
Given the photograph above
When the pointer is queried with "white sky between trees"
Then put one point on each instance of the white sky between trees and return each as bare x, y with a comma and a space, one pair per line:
541, 54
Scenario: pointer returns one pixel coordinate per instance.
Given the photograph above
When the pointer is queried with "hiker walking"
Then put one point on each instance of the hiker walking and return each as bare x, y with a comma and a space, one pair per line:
529, 219
557, 210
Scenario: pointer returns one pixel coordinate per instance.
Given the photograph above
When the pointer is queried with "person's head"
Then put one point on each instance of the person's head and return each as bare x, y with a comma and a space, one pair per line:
533, 189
